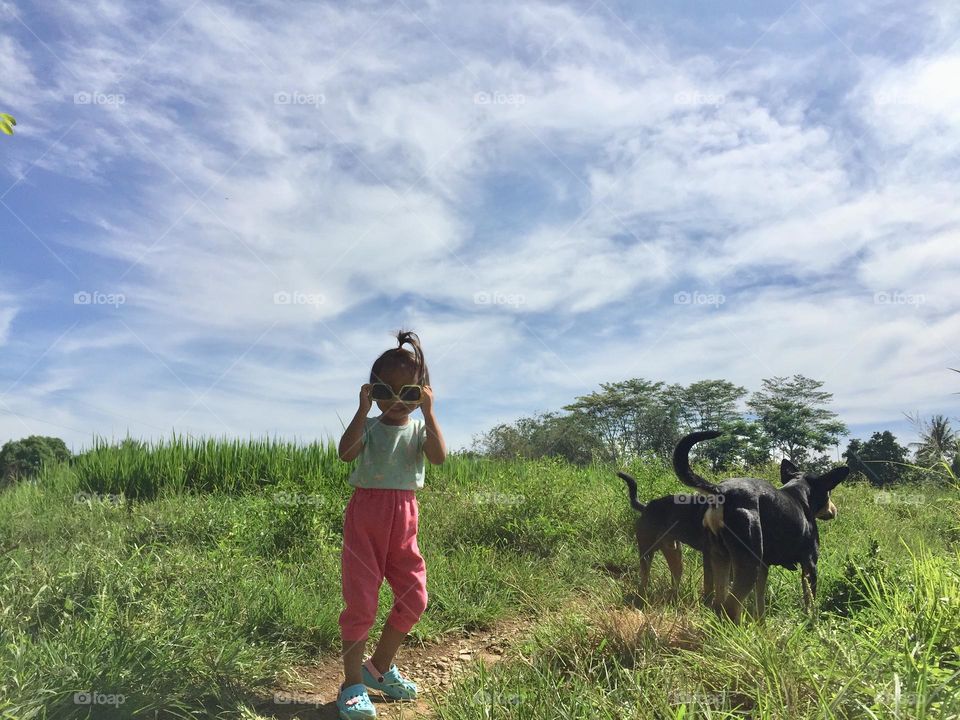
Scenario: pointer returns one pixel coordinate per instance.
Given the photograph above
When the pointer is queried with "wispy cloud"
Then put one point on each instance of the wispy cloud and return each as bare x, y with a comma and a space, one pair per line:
8, 311
243, 209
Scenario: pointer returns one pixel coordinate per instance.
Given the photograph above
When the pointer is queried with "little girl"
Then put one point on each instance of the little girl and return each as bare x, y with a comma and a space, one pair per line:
380, 522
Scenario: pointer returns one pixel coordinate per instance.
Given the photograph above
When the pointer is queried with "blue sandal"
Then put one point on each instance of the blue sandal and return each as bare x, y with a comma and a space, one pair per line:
353, 703
391, 683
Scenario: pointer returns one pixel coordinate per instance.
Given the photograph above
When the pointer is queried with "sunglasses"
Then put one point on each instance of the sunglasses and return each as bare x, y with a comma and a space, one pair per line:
407, 394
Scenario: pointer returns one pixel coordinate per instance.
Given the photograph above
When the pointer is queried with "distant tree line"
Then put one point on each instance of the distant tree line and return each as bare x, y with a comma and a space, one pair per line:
883, 460
640, 418
643, 419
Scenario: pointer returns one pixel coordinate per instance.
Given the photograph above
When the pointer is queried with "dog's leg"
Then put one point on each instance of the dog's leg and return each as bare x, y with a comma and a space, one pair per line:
674, 557
760, 592
708, 589
745, 572
645, 562
808, 577
720, 573
647, 547
745, 544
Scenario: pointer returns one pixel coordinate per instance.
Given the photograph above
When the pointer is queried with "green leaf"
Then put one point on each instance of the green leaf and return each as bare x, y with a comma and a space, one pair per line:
5, 128
8, 118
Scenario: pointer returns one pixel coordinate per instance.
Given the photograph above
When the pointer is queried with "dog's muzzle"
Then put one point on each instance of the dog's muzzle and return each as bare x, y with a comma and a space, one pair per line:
828, 511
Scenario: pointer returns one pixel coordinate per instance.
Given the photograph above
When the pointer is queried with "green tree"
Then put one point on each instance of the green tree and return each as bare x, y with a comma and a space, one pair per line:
20, 459
653, 417
606, 414
567, 437
792, 414
6, 123
938, 442
710, 404
503, 442
743, 445
547, 434
634, 417
881, 459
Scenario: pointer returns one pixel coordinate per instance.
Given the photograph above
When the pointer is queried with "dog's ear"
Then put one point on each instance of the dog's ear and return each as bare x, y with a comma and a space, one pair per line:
829, 480
787, 471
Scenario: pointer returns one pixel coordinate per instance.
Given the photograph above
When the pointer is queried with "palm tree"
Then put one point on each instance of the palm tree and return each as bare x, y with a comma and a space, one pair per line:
938, 443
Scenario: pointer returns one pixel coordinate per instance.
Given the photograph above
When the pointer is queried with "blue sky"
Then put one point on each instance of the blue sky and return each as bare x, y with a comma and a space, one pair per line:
214, 215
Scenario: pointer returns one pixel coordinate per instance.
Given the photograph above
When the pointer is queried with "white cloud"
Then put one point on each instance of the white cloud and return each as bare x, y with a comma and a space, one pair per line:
528, 192
8, 311
917, 102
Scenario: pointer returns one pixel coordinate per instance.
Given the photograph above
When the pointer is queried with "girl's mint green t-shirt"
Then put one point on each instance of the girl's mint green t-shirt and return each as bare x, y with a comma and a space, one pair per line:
392, 456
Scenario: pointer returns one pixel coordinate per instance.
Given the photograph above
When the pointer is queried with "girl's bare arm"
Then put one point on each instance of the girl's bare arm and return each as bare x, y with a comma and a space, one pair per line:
433, 447
352, 441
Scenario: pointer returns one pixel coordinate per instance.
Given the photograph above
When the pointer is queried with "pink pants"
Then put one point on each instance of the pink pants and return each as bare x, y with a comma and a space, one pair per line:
380, 541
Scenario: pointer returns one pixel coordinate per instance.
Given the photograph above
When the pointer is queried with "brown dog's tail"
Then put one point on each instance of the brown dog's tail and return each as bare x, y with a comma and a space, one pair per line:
632, 488
681, 461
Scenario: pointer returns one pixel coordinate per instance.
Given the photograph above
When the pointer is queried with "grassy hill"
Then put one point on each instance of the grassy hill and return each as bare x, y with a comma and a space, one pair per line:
185, 576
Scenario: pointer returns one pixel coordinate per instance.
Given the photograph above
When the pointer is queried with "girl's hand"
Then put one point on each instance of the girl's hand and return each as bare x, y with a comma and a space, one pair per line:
426, 402
366, 402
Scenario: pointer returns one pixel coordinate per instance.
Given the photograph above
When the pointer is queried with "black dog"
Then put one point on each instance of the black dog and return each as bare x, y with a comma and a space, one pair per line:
753, 525
668, 522
663, 524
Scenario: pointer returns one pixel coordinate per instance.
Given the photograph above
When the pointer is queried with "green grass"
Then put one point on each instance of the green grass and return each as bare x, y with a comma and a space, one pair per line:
141, 470
218, 569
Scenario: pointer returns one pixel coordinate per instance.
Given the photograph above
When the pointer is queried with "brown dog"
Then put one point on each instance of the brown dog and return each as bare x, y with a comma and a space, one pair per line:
664, 524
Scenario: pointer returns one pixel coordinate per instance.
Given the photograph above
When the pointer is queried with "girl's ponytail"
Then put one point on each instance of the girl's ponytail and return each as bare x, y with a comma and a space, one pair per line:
401, 357
408, 337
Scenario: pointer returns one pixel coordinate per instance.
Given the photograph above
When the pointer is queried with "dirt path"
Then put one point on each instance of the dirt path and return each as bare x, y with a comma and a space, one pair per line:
433, 667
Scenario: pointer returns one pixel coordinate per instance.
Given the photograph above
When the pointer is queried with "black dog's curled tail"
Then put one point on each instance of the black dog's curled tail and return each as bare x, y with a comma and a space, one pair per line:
632, 488
681, 461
